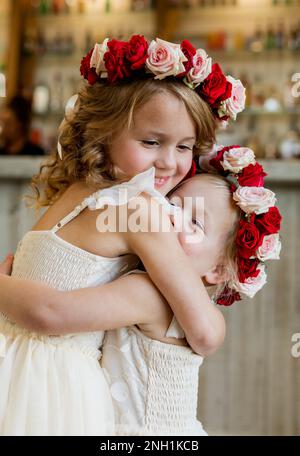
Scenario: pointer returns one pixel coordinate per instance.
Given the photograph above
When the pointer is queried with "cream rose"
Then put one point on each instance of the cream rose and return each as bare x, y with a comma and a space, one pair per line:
236, 103
270, 248
97, 58
202, 65
165, 59
254, 199
234, 160
253, 284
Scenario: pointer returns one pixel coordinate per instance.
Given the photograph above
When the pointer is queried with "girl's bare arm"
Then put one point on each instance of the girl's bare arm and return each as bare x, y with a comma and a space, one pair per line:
172, 272
131, 299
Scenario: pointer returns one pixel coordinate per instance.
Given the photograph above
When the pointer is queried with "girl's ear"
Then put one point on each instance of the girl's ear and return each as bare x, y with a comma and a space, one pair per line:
219, 274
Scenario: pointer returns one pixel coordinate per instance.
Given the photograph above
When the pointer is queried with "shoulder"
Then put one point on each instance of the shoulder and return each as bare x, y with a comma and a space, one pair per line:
147, 214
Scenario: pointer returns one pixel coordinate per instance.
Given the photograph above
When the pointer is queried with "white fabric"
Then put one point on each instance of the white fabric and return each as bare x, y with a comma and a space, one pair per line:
154, 385
175, 329
55, 385
125, 192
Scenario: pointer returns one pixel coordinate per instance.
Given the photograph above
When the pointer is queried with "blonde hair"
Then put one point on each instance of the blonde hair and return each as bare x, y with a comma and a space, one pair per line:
103, 111
228, 258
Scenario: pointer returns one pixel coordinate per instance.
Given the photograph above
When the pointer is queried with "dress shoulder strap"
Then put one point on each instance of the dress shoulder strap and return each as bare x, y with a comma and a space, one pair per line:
120, 194
76, 211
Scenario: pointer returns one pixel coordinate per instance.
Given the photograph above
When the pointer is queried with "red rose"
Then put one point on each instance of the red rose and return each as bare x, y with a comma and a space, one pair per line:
252, 176
215, 87
116, 64
189, 51
137, 52
269, 222
88, 73
247, 268
228, 296
248, 239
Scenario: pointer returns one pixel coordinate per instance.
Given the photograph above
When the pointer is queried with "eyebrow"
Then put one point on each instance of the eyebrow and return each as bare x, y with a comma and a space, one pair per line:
163, 135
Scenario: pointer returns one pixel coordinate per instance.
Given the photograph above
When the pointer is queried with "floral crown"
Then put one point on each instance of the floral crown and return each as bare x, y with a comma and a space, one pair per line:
257, 238
116, 60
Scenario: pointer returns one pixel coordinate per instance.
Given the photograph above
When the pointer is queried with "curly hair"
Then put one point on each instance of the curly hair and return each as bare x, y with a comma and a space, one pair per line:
103, 111
228, 257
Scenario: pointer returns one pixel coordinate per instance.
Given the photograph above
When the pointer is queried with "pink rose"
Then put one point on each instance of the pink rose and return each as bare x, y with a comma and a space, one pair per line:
202, 65
165, 59
253, 284
236, 103
205, 159
234, 160
97, 58
270, 248
254, 199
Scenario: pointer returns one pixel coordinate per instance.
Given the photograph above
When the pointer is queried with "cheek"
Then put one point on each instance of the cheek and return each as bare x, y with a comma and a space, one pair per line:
185, 163
191, 244
129, 158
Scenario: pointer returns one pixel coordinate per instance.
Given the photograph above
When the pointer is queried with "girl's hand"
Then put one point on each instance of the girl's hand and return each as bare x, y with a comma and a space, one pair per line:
6, 265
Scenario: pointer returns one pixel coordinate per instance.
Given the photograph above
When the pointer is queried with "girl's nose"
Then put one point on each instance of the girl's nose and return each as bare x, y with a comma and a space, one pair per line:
166, 159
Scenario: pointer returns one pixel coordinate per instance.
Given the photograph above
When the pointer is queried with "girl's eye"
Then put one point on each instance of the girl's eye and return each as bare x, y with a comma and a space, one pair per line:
182, 147
150, 143
198, 224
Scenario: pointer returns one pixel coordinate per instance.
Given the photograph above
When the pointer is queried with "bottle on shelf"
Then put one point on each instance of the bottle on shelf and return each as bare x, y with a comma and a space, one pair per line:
239, 41
107, 6
28, 47
81, 6
40, 47
256, 42
271, 146
58, 6
56, 92
280, 36
292, 40
44, 7
272, 102
258, 92
270, 38
289, 146
137, 5
41, 99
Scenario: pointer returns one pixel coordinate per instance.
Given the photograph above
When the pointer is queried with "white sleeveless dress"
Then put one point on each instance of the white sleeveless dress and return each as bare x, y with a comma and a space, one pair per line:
54, 385
154, 385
